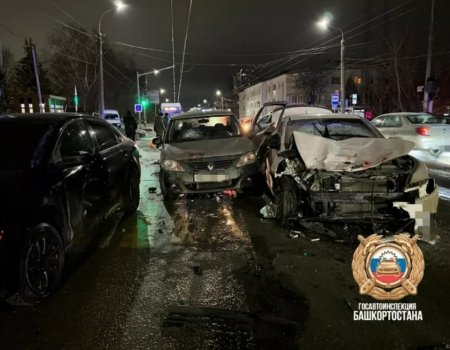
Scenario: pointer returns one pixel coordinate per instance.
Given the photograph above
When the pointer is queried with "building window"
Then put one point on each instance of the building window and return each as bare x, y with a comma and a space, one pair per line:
30, 107
22, 107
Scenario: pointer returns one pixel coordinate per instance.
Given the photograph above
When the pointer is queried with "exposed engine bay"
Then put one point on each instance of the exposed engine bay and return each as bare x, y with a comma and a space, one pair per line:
392, 195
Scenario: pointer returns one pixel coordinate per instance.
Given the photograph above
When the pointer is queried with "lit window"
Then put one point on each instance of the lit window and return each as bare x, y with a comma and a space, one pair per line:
30, 107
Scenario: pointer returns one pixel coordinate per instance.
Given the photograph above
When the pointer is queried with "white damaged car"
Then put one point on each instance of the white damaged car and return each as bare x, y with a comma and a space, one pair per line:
340, 169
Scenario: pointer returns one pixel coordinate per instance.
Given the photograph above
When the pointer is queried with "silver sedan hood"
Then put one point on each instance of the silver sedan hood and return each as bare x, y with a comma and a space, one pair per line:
354, 154
207, 148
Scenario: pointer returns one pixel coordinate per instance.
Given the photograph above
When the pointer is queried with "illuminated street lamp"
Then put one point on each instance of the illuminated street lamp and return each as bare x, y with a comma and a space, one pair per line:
138, 75
325, 24
119, 6
219, 93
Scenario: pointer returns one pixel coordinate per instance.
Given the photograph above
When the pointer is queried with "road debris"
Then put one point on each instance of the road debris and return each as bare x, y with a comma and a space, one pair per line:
269, 211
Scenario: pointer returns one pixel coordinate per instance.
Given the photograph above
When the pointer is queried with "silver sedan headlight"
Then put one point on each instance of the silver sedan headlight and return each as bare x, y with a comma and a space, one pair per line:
246, 158
171, 165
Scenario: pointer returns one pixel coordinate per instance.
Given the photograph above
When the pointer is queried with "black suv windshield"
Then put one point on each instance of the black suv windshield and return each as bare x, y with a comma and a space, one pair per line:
20, 142
203, 128
331, 128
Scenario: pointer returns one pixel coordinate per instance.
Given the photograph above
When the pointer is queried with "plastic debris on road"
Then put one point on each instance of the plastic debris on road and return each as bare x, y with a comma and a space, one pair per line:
269, 211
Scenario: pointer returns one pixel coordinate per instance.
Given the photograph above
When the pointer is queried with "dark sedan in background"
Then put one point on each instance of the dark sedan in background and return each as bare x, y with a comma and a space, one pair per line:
61, 175
205, 151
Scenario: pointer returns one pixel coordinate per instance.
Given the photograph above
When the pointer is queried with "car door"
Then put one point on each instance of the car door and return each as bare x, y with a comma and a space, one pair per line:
81, 185
113, 159
392, 126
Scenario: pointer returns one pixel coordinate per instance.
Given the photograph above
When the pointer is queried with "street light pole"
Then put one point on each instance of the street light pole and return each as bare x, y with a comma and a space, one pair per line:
342, 73
100, 54
324, 24
119, 6
138, 75
138, 93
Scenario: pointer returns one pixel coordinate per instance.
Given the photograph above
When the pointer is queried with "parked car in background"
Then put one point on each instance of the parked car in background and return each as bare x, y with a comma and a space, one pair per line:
57, 186
339, 168
429, 133
112, 116
205, 152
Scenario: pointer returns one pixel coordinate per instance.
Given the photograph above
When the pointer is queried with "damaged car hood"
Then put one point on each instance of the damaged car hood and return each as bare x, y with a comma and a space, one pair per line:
207, 148
353, 154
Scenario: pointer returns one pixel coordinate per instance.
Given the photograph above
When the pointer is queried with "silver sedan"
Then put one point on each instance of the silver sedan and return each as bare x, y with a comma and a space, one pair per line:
429, 133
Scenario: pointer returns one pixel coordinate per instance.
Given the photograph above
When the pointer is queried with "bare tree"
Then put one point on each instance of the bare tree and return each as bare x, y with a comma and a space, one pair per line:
72, 62
312, 82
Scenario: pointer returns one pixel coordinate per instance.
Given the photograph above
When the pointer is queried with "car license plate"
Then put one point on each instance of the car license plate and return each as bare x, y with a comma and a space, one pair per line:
210, 178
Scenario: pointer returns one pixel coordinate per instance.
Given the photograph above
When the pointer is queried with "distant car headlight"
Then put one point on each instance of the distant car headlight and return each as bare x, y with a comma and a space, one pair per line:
420, 175
246, 158
171, 165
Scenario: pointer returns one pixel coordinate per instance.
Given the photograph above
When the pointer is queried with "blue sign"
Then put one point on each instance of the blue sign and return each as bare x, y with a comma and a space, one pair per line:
334, 101
137, 108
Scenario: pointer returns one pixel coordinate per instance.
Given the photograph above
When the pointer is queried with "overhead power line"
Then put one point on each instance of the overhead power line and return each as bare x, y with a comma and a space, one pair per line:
184, 50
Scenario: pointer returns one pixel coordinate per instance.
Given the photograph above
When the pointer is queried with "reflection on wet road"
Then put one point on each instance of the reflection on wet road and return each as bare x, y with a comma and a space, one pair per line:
208, 273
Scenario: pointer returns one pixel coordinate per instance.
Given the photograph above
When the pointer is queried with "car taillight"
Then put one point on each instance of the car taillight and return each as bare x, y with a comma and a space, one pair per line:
423, 131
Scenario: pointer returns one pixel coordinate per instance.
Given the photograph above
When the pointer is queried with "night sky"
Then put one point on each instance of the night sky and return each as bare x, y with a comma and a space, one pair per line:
223, 35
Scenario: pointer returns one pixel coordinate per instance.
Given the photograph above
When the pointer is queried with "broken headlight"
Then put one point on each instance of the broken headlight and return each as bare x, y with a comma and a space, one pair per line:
171, 165
419, 176
246, 158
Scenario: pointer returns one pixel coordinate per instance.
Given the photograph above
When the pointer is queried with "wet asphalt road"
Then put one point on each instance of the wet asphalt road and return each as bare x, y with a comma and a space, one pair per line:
160, 279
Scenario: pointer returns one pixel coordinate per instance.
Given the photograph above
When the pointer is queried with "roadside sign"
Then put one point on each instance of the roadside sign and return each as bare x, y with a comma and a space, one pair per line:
153, 96
137, 108
334, 101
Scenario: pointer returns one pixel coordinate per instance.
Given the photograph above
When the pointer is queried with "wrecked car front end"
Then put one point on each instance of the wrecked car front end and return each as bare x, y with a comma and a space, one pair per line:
376, 186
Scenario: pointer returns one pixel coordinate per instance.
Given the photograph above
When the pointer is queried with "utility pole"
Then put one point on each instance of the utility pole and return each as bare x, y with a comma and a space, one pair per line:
1, 54
343, 74
101, 92
145, 104
36, 74
427, 104
138, 95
